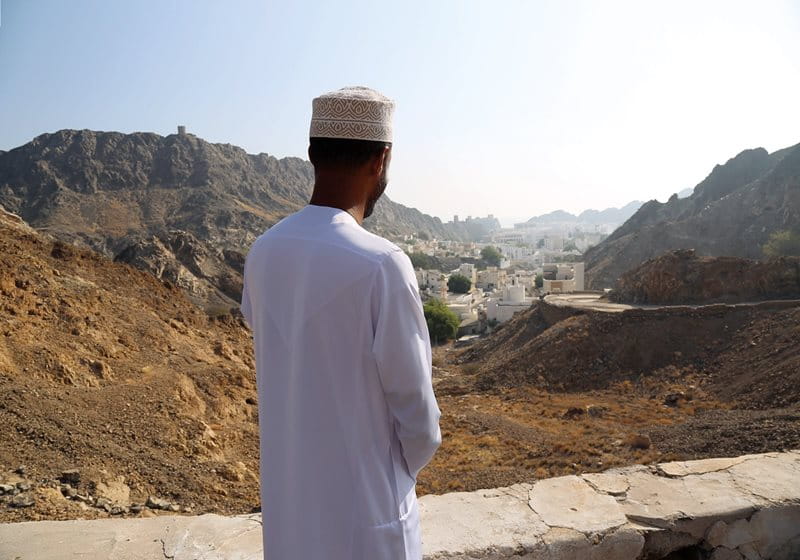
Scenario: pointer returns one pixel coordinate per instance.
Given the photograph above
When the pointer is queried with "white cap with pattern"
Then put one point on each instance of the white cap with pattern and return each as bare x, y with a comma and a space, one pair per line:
356, 113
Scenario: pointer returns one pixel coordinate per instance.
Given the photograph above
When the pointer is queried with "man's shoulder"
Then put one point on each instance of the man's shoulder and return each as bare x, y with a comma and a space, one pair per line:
347, 238
380, 252
392, 260
379, 246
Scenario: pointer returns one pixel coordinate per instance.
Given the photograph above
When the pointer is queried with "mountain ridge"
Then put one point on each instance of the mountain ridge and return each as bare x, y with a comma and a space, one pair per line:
185, 209
610, 215
732, 212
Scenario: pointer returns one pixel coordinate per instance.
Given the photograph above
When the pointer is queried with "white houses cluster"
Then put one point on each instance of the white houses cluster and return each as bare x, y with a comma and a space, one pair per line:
498, 292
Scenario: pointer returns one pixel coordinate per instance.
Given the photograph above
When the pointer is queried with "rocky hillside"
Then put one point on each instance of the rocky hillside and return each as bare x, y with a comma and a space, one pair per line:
732, 212
108, 370
180, 207
683, 277
562, 349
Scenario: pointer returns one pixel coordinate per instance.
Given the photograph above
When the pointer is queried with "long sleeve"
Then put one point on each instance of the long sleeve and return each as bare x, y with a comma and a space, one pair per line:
403, 354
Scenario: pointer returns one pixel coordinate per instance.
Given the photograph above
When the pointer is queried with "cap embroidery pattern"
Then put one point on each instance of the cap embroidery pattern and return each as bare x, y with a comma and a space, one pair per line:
356, 113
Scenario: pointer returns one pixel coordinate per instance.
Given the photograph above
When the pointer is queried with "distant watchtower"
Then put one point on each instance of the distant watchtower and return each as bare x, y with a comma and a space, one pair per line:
181, 130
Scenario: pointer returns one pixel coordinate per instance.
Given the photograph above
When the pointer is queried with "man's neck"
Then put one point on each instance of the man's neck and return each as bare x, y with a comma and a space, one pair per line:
344, 200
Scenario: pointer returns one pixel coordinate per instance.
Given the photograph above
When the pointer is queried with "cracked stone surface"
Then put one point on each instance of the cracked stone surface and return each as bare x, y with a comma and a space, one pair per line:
204, 537
570, 502
743, 508
690, 503
771, 478
614, 483
479, 523
701, 466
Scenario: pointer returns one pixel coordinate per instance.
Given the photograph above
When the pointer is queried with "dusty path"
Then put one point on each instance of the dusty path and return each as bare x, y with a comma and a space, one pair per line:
594, 301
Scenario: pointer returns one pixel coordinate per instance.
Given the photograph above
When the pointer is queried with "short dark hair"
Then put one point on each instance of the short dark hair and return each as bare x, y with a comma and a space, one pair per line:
343, 152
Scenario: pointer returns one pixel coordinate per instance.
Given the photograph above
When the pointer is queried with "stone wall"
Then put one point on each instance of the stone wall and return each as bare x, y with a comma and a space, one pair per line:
733, 508
720, 509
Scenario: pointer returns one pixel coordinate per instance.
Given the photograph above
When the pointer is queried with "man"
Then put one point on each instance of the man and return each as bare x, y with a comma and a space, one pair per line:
347, 412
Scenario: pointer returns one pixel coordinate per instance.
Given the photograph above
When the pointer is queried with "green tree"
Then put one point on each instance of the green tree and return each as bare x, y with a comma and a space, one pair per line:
442, 322
491, 255
784, 243
539, 282
421, 260
459, 284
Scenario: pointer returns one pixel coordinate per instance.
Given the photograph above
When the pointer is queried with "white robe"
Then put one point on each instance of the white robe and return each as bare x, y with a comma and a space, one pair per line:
347, 413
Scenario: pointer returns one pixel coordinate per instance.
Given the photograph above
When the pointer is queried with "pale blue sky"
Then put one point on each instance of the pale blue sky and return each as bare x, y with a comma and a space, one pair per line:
513, 108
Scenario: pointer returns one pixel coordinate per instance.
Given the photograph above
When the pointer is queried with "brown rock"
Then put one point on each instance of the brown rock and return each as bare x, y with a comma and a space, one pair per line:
683, 277
71, 476
573, 412
639, 441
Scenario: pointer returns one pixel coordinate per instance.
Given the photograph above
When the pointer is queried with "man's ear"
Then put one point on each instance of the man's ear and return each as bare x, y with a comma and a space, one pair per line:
380, 162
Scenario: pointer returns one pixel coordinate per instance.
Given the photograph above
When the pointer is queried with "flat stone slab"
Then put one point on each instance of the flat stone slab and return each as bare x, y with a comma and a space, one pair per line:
744, 507
569, 502
204, 537
773, 477
701, 466
663, 502
480, 523
614, 483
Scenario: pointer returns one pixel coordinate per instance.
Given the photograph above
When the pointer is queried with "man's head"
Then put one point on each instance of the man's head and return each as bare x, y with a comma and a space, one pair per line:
362, 162
350, 142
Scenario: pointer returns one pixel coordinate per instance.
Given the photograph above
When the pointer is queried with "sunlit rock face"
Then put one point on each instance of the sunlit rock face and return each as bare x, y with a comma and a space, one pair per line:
683, 277
732, 212
176, 205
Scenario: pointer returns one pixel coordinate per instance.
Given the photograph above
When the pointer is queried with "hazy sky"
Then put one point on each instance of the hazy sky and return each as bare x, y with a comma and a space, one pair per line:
511, 108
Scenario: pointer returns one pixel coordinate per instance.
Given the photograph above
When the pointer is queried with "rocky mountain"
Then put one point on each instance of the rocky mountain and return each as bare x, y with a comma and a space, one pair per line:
732, 212
588, 217
182, 208
683, 277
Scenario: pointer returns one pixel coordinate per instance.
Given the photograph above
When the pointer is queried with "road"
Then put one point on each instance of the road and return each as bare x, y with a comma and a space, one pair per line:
593, 302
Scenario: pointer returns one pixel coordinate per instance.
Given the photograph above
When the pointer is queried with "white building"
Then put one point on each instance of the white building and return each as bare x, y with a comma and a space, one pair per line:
492, 278
509, 237
525, 278
554, 243
433, 281
563, 278
516, 252
465, 305
511, 301
468, 270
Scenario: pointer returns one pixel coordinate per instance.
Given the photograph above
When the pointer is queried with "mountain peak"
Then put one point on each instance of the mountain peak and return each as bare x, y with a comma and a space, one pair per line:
592, 217
115, 192
732, 212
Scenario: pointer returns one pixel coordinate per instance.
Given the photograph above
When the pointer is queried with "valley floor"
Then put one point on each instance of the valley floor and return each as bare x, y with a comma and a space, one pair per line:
491, 438
519, 434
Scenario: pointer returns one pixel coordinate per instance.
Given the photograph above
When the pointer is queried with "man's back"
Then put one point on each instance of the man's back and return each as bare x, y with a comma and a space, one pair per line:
346, 409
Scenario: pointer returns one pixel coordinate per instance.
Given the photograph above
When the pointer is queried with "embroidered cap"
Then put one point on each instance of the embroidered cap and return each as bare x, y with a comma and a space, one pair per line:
357, 113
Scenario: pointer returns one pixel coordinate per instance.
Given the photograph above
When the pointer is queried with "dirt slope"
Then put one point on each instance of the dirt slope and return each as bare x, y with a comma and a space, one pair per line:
106, 369
683, 277
746, 354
